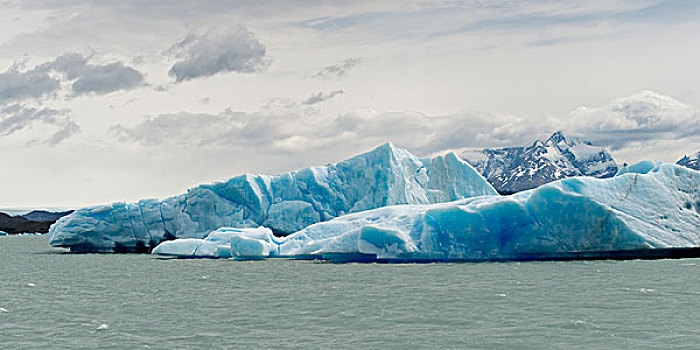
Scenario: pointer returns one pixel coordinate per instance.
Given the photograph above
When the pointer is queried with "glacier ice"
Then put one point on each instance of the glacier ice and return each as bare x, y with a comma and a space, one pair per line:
284, 203
216, 245
640, 209
641, 167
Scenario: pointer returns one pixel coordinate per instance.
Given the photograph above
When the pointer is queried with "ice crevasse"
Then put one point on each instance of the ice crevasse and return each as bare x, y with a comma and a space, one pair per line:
284, 203
646, 207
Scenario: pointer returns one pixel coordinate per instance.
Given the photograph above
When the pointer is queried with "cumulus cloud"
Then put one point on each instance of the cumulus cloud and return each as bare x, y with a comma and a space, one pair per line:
72, 68
17, 117
225, 129
338, 70
94, 78
300, 127
321, 96
641, 117
31, 84
218, 51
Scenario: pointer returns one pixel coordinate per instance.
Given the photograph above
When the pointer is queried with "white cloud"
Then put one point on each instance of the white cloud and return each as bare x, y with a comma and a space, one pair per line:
298, 127
289, 126
645, 116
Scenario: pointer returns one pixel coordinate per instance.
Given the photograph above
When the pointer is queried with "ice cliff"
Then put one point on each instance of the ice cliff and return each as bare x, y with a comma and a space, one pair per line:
646, 207
284, 203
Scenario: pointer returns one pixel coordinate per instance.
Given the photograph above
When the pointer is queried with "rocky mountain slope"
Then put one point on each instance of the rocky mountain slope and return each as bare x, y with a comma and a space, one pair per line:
34, 221
692, 162
515, 169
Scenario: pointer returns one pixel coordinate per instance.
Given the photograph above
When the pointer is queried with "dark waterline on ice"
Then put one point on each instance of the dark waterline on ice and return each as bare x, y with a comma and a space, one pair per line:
132, 301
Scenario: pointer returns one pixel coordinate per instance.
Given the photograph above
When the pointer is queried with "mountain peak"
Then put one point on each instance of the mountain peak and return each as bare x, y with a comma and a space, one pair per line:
386, 152
692, 162
515, 169
385, 147
557, 137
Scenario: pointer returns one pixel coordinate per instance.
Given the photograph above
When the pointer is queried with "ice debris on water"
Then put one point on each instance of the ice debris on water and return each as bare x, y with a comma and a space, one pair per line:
216, 245
641, 209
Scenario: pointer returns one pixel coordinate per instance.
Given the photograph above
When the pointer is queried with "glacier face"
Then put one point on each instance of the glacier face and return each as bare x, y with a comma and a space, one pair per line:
692, 162
515, 169
641, 209
284, 203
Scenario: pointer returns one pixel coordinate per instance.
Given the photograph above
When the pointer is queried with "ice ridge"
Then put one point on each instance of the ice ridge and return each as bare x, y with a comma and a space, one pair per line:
284, 203
647, 208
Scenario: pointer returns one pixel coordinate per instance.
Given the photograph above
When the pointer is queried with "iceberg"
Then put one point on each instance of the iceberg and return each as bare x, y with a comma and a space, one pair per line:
642, 167
646, 209
284, 203
216, 245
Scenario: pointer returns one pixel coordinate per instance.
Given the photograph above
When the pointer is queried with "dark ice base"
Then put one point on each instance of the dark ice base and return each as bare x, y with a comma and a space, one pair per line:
646, 254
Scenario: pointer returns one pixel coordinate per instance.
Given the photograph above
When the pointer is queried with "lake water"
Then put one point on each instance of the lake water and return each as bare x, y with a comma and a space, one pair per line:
50, 300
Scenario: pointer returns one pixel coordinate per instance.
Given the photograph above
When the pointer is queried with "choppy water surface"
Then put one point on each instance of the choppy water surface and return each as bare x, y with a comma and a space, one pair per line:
87, 301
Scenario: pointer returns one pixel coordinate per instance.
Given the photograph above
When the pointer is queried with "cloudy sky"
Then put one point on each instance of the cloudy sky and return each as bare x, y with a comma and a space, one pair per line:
106, 101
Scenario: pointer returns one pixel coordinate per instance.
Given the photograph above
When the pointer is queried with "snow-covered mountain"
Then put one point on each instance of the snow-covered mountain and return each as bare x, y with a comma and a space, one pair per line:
692, 162
515, 169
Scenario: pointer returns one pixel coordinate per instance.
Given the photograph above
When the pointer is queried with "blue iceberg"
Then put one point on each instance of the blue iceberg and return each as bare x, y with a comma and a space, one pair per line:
647, 208
284, 203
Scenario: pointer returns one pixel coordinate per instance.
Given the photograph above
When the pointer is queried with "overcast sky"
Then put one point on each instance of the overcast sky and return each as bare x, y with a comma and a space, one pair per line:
106, 101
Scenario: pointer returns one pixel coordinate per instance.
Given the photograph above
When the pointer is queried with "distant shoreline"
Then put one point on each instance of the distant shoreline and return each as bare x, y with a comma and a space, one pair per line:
19, 211
34, 221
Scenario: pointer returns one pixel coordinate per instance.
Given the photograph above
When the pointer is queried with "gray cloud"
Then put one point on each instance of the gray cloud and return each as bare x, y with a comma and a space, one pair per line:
321, 96
84, 78
32, 84
16, 117
92, 20
537, 22
217, 51
339, 69
67, 129
94, 78
107, 78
